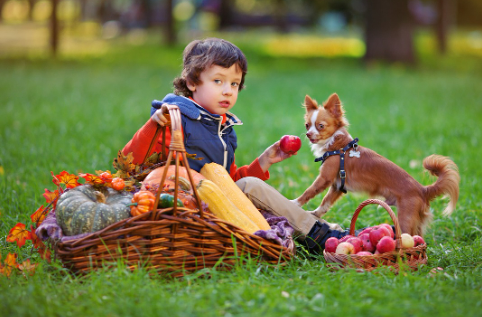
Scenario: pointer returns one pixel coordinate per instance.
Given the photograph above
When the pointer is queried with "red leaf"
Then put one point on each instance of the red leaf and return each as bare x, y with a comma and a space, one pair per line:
51, 196
10, 264
70, 180
35, 240
18, 234
92, 179
39, 215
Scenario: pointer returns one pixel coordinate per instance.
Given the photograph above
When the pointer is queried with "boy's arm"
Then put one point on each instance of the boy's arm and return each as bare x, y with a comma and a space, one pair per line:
254, 169
139, 144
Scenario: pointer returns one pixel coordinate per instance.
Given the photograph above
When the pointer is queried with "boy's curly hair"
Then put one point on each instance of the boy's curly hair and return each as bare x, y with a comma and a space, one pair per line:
201, 54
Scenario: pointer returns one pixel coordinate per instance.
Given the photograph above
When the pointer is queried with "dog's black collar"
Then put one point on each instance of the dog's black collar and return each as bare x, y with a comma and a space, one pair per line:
341, 152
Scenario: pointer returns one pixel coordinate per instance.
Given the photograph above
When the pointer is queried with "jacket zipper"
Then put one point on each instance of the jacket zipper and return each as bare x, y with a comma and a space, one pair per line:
225, 159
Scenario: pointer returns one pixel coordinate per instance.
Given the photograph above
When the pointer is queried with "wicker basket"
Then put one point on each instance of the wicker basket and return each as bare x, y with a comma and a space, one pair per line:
410, 257
174, 240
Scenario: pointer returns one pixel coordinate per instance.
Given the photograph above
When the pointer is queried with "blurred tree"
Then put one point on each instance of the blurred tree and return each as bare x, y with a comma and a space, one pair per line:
54, 28
31, 5
2, 2
388, 31
170, 31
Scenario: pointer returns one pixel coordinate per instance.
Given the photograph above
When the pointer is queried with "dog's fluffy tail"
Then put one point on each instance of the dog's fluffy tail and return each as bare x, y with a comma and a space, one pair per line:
447, 182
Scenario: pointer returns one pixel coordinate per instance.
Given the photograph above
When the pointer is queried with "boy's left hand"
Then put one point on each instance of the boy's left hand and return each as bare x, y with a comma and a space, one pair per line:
271, 155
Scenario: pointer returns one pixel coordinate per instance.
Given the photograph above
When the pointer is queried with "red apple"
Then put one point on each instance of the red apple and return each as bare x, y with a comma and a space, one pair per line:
290, 144
407, 240
377, 234
389, 228
386, 244
357, 243
418, 240
345, 238
367, 245
345, 248
364, 253
331, 244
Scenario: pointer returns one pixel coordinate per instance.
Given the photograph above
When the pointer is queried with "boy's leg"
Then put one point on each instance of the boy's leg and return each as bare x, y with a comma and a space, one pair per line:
267, 198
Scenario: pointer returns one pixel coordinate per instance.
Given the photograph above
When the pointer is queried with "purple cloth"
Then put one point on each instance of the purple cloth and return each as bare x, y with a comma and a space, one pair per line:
281, 231
50, 230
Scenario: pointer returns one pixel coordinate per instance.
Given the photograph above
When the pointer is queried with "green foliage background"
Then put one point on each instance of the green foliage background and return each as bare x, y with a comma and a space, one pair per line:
75, 114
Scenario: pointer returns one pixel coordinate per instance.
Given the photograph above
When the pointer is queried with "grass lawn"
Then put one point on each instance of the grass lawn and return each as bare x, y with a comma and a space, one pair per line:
75, 114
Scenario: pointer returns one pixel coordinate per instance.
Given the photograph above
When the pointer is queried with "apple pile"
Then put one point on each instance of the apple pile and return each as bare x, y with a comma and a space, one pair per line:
372, 240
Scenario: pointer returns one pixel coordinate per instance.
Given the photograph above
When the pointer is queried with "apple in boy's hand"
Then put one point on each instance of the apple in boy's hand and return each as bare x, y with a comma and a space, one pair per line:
345, 248
386, 244
290, 144
418, 240
331, 244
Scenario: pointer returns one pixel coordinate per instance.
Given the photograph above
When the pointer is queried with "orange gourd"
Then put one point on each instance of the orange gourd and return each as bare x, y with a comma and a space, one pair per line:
118, 183
142, 202
152, 180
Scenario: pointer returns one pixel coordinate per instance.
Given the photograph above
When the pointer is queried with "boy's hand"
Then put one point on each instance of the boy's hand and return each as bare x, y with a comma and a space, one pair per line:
271, 155
159, 116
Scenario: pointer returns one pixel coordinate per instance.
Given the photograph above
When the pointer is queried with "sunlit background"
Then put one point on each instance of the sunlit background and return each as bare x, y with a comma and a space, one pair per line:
295, 28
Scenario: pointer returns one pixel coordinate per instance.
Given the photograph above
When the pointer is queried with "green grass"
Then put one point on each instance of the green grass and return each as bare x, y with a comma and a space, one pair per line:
75, 115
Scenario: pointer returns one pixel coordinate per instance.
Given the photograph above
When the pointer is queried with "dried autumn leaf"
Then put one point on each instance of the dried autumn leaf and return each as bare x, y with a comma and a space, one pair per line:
39, 215
9, 264
124, 163
70, 180
18, 234
27, 268
92, 179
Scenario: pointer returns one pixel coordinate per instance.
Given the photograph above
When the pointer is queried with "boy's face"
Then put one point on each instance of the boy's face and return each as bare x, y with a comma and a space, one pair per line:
218, 90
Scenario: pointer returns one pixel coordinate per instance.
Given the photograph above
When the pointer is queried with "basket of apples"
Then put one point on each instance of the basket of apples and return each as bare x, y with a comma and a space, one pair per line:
376, 246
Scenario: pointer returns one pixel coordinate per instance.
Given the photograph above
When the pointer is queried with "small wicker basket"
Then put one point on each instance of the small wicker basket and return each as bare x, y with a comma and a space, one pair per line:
172, 241
410, 257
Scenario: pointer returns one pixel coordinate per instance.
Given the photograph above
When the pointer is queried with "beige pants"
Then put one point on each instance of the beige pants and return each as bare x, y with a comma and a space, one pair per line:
269, 199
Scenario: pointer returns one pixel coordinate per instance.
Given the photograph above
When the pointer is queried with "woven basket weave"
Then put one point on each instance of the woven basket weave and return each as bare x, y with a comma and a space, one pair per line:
410, 257
174, 240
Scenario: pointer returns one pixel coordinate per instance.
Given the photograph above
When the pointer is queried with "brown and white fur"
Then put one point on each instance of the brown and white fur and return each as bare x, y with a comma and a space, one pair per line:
372, 173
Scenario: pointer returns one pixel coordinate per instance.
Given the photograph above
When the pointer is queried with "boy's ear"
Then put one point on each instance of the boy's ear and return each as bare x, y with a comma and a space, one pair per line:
310, 104
333, 106
190, 86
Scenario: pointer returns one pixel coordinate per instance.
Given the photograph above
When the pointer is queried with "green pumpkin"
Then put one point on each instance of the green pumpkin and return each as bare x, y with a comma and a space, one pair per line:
85, 209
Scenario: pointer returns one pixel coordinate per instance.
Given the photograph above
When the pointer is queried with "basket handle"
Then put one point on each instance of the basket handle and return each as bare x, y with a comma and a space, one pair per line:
390, 212
176, 149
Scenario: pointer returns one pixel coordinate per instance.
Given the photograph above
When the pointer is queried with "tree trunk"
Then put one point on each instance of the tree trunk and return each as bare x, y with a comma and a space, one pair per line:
388, 32
54, 28
442, 24
169, 29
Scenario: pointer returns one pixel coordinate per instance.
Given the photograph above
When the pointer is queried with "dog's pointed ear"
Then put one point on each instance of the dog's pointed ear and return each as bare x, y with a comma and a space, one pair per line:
310, 104
333, 106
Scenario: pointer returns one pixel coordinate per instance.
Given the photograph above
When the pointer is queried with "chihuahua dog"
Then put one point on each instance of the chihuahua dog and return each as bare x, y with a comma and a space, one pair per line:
349, 167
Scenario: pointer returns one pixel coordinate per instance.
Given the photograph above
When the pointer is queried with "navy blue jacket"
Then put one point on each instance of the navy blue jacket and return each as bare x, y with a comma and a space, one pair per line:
204, 133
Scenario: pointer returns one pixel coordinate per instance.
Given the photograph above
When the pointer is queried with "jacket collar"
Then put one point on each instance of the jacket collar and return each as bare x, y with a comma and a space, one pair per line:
192, 110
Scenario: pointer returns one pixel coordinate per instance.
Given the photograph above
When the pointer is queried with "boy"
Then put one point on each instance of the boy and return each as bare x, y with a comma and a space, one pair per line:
213, 74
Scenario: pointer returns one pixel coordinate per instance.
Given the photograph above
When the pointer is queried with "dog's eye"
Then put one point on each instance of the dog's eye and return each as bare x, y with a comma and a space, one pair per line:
320, 126
307, 126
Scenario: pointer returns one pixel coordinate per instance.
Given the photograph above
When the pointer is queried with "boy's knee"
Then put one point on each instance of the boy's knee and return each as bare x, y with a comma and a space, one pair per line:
248, 184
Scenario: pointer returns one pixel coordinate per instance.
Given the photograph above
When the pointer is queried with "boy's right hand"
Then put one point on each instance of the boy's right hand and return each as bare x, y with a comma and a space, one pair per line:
159, 116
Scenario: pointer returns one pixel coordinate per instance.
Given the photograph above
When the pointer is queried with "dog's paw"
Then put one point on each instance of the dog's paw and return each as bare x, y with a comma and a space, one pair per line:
320, 211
